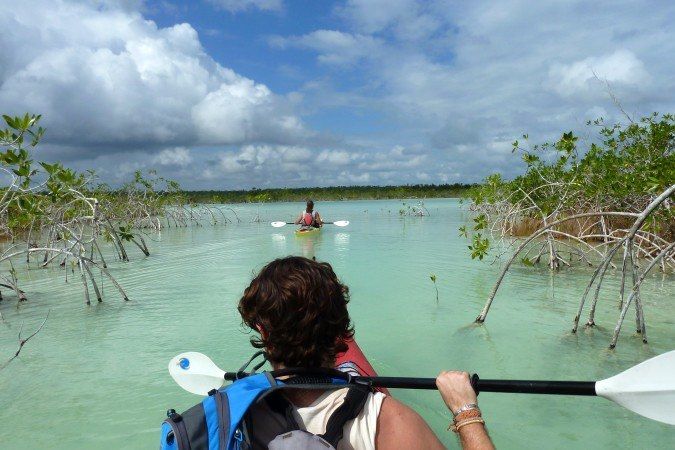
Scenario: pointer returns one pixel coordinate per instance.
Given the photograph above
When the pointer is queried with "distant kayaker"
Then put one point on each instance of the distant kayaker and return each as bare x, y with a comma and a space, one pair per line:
298, 307
309, 218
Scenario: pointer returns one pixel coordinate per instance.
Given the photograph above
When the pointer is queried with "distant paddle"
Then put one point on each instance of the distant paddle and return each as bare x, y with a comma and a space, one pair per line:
337, 223
647, 389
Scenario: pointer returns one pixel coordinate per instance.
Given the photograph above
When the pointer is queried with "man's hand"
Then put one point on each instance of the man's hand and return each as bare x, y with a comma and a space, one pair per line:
456, 390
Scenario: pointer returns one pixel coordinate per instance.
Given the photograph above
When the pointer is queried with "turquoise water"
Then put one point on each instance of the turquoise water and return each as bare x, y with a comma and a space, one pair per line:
96, 377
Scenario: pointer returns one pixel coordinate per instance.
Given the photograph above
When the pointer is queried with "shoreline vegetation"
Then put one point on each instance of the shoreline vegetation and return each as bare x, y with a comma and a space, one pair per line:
605, 202
330, 193
54, 216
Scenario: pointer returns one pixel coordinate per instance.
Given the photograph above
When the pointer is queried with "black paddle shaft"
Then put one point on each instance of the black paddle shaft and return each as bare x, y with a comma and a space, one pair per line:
514, 386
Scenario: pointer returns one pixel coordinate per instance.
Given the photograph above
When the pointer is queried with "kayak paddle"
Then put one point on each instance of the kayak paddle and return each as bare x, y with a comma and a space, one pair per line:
196, 373
647, 389
338, 223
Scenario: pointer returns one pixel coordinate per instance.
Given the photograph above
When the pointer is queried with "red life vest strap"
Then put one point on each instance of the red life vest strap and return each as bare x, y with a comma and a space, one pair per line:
308, 218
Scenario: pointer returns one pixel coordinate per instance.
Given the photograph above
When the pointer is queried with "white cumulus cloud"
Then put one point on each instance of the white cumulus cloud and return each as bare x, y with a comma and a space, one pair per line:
334, 157
284, 165
334, 47
105, 76
178, 156
243, 5
464, 79
621, 67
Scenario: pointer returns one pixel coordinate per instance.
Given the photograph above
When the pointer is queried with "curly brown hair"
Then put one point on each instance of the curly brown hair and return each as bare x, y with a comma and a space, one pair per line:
300, 309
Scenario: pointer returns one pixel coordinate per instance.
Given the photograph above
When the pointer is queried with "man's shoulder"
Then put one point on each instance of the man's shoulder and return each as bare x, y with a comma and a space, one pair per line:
394, 412
399, 426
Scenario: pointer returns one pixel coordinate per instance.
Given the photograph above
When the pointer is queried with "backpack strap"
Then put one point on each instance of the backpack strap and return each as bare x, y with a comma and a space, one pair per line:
181, 433
223, 410
183, 441
351, 407
279, 405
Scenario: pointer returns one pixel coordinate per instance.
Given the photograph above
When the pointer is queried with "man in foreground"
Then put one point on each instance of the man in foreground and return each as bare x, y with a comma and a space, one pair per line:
299, 309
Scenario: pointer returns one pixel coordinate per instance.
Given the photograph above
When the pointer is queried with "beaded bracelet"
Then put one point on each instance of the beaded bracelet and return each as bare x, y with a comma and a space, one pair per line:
468, 414
464, 417
459, 425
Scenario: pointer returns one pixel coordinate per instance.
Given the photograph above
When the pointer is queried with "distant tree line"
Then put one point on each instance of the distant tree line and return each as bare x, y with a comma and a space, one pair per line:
330, 193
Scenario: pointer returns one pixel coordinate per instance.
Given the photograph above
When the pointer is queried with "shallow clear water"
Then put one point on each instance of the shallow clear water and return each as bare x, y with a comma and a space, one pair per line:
96, 377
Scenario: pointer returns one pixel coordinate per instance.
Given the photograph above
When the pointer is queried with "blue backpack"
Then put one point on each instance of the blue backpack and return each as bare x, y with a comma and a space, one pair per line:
223, 420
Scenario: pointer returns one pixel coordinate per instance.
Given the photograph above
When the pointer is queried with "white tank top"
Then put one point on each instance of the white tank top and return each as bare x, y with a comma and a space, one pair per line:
359, 434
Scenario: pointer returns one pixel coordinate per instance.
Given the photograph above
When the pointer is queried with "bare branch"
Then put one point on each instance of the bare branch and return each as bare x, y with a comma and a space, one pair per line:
23, 342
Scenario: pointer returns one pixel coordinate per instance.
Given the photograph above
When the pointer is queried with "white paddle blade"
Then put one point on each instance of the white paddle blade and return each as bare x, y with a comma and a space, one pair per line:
341, 223
278, 224
196, 373
647, 389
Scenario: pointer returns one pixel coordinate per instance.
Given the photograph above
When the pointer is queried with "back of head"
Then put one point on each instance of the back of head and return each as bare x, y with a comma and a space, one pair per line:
300, 309
310, 205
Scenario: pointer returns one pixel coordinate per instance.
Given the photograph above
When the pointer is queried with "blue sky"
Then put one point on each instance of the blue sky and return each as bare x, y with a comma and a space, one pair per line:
222, 94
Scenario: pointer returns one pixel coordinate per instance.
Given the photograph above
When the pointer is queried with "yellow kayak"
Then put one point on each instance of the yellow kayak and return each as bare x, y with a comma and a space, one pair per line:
307, 231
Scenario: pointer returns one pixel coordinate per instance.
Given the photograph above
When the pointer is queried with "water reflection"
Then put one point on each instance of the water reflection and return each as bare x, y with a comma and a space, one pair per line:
279, 242
309, 245
341, 241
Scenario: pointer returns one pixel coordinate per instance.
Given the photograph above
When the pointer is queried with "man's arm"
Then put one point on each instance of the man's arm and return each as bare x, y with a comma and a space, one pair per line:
298, 221
399, 427
474, 436
456, 390
318, 219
